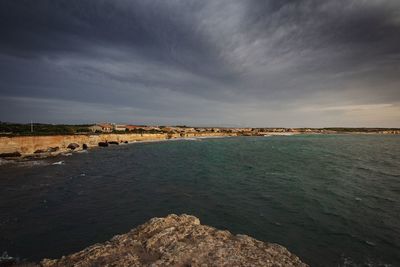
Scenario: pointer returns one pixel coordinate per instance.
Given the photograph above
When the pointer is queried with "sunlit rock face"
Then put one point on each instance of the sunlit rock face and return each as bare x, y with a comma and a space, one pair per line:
54, 144
179, 241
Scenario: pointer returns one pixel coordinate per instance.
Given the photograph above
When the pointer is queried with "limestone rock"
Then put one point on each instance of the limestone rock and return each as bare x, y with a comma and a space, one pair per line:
15, 154
103, 144
73, 146
179, 241
113, 142
53, 149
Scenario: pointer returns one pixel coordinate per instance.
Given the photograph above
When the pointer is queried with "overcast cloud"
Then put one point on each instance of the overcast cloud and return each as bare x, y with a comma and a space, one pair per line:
293, 63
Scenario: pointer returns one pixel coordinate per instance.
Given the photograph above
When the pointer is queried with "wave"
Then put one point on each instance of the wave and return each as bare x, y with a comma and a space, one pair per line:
23, 163
349, 262
4, 162
61, 162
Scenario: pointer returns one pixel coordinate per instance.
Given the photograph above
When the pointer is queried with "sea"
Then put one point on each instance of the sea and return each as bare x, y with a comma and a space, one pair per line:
333, 200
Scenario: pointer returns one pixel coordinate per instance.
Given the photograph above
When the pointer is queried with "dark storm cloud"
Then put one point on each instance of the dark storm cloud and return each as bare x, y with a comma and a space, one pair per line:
246, 62
336, 35
158, 31
368, 28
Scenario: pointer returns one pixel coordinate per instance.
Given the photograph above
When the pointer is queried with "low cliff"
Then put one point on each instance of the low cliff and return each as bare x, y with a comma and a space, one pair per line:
29, 145
179, 241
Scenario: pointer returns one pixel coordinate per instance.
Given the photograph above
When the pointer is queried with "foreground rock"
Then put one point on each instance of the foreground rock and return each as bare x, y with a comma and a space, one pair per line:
179, 241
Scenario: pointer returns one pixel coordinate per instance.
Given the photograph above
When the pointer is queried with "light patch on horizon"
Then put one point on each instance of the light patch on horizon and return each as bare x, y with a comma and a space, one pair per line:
350, 107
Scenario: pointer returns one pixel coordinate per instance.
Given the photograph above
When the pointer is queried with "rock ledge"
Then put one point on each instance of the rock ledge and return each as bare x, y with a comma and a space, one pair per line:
179, 241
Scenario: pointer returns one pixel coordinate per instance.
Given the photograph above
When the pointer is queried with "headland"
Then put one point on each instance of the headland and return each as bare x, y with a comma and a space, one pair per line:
179, 241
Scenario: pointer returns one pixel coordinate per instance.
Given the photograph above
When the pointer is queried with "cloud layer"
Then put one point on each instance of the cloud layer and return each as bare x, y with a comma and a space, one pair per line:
236, 63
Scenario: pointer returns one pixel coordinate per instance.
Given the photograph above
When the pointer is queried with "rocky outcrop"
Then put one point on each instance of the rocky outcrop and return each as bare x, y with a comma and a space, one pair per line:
179, 241
10, 155
113, 142
103, 144
73, 146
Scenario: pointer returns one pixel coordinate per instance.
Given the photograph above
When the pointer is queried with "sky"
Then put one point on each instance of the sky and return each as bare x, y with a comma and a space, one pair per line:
238, 63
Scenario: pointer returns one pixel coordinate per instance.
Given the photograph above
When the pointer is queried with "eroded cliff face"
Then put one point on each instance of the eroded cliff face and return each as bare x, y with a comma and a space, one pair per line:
28, 145
179, 241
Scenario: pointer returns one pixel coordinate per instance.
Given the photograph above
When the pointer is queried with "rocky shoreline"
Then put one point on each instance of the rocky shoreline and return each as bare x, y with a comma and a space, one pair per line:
15, 148
22, 148
178, 241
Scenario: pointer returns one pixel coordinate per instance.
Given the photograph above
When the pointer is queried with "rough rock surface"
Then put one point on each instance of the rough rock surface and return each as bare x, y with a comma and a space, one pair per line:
27, 145
73, 146
10, 155
179, 241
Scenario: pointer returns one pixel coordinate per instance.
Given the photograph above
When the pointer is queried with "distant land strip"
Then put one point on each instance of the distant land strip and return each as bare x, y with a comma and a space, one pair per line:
27, 141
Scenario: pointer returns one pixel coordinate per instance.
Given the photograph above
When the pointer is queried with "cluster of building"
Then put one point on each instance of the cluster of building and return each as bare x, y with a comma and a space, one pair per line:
111, 127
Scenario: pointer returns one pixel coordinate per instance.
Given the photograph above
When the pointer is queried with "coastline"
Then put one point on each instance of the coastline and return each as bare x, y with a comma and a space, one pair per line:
15, 148
25, 148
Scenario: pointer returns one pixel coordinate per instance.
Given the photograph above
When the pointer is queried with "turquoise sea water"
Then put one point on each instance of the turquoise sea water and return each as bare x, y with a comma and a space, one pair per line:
334, 200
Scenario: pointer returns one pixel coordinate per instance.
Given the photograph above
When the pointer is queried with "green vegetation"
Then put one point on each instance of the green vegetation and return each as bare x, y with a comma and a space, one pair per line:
41, 129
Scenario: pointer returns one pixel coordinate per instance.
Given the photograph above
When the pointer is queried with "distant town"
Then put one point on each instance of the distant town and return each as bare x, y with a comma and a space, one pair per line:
7, 128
